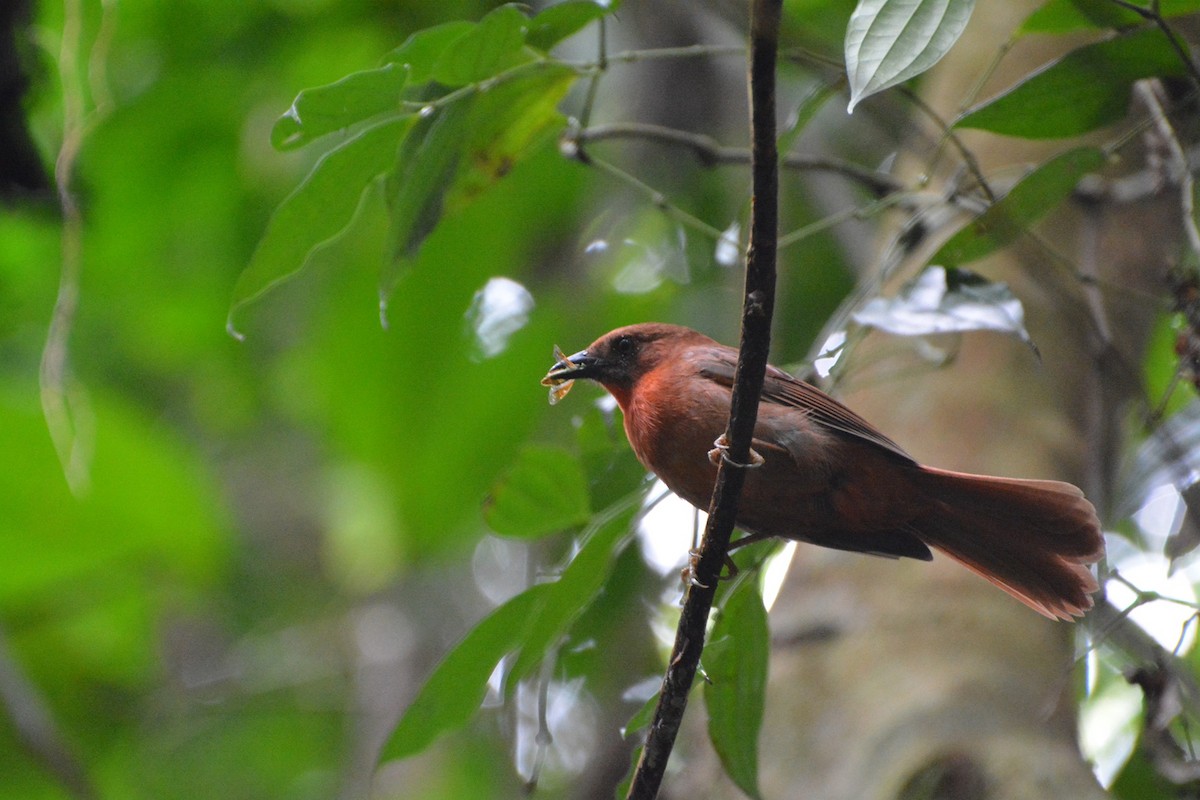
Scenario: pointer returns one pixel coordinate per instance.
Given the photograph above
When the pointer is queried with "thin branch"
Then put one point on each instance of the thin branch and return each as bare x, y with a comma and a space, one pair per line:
1181, 50
1111, 626
709, 152
64, 402
685, 51
747, 385
950, 135
1163, 705
1180, 171
35, 727
656, 198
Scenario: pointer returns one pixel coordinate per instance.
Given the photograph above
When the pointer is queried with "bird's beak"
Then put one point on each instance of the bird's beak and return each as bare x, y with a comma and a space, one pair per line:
580, 365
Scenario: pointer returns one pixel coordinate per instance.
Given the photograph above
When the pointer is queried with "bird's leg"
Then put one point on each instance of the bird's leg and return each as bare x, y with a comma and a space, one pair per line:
720, 452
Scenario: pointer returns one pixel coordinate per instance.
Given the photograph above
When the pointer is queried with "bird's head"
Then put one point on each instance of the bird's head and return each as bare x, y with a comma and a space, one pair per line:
619, 358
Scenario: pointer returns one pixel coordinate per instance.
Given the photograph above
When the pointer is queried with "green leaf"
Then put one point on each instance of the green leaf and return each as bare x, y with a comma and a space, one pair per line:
149, 500
459, 683
421, 52
356, 97
319, 209
736, 662
545, 491
579, 583
890, 41
1069, 16
1084, 90
944, 300
560, 21
1027, 202
461, 149
642, 717
494, 45
528, 624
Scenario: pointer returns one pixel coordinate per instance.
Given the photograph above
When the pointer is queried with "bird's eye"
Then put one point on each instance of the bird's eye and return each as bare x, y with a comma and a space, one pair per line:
624, 345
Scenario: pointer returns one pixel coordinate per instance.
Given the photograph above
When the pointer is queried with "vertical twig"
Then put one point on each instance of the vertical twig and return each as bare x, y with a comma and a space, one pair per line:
748, 380
64, 402
35, 727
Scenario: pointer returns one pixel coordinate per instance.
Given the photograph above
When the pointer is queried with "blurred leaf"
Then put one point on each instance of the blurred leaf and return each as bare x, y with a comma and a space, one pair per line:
563, 20
497, 43
611, 467
416, 401
356, 97
543, 492
461, 149
890, 41
1140, 778
804, 112
1161, 364
736, 661
1187, 537
422, 51
1169, 455
642, 717
459, 683
528, 624
944, 300
1069, 16
576, 588
622, 790
319, 209
1082, 91
422, 175
149, 500
1029, 200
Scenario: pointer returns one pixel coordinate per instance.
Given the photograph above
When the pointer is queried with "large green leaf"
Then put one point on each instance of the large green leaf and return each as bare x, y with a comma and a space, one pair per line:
422, 51
736, 662
497, 43
543, 492
527, 624
890, 41
464, 147
1084, 90
560, 21
459, 683
319, 209
1028, 201
355, 98
576, 588
1068, 16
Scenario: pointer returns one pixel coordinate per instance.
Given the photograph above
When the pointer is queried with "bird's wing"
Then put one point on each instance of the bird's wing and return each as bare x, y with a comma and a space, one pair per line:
783, 389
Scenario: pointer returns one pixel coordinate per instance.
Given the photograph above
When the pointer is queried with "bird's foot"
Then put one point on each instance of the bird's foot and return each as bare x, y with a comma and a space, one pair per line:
688, 573
720, 452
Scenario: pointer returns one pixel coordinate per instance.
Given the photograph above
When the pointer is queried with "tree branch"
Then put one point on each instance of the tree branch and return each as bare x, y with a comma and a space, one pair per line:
709, 152
747, 385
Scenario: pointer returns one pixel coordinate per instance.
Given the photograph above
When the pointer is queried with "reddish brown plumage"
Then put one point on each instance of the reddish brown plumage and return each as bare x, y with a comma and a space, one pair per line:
831, 479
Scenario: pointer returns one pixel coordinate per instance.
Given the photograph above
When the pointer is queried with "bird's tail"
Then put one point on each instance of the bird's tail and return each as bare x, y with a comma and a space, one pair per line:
1034, 539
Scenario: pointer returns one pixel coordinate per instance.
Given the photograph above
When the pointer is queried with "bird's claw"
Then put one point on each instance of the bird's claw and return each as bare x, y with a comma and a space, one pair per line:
688, 573
720, 452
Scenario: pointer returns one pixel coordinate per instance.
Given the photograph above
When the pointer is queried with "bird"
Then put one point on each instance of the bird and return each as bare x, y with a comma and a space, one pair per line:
823, 475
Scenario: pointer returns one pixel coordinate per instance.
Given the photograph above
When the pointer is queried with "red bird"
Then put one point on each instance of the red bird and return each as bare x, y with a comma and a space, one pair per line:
829, 478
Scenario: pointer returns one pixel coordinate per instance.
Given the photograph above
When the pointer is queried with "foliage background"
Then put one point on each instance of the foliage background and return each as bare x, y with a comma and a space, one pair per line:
267, 544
